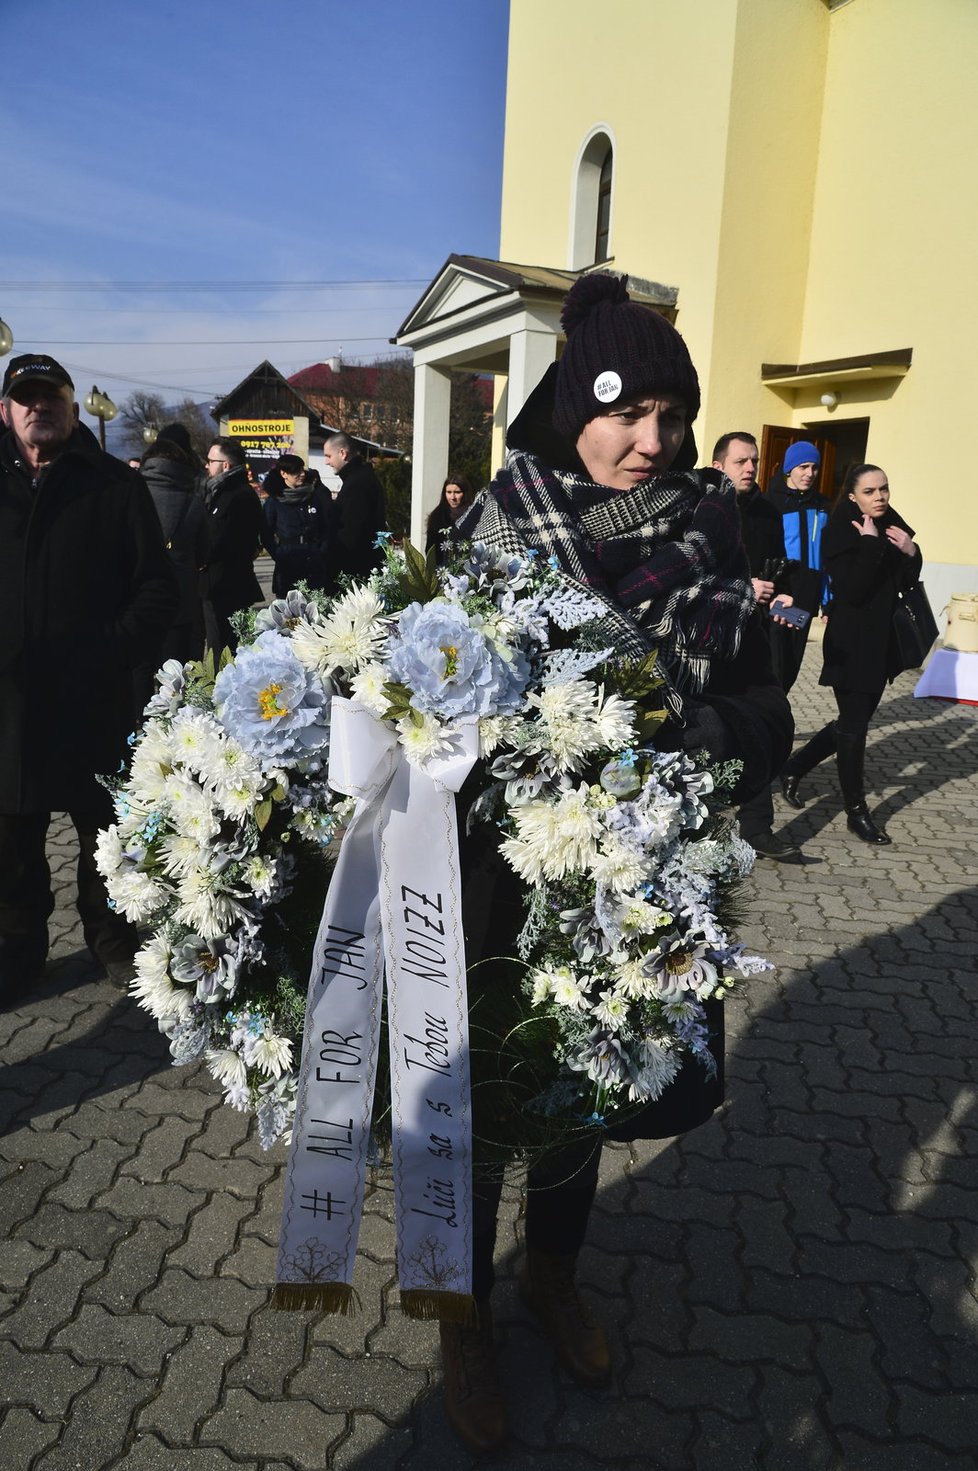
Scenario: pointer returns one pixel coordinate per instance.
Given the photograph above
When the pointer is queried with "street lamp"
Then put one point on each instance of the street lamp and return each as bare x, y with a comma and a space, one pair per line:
101, 407
6, 338
150, 433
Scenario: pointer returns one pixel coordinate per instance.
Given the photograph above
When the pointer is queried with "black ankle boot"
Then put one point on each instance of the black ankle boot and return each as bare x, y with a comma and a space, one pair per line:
822, 744
859, 822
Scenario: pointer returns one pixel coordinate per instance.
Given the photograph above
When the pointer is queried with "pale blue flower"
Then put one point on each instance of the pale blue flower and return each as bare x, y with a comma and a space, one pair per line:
271, 704
449, 666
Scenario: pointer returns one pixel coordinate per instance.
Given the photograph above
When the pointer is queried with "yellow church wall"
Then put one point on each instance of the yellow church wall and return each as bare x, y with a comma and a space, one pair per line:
893, 246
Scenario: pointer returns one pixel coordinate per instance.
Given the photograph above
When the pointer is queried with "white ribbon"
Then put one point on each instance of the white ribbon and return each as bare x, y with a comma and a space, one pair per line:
394, 903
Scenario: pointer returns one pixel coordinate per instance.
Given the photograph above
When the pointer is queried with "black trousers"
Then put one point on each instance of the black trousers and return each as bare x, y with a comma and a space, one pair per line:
26, 900
560, 1191
856, 710
787, 652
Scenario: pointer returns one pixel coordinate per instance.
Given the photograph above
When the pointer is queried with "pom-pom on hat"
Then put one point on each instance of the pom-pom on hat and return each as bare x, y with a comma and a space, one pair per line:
801, 453
615, 350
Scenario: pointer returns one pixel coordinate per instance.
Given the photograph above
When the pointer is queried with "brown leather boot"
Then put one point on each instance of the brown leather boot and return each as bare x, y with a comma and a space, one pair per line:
473, 1395
547, 1287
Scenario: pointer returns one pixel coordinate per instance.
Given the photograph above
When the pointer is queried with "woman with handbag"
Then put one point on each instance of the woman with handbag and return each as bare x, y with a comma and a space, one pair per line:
599, 480
871, 557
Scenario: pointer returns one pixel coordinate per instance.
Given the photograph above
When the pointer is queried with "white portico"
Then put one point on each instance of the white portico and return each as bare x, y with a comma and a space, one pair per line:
484, 316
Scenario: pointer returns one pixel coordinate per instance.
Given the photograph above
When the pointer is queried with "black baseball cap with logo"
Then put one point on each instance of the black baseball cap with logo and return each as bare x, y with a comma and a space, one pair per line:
37, 367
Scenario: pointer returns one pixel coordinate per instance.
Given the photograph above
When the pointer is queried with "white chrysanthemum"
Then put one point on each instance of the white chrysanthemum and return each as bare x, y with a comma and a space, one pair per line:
180, 856
151, 764
261, 875
191, 809
611, 1009
233, 776
567, 711
657, 1066
570, 990
367, 688
227, 1067
136, 894
205, 908
631, 980
496, 730
351, 636
553, 839
424, 738
152, 986
194, 737
619, 866
271, 1054
615, 722
108, 851
545, 980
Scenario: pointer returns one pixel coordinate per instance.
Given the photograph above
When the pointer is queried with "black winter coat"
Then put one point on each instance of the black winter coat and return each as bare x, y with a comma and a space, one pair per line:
172, 486
859, 651
296, 536
762, 529
232, 540
359, 513
86, 594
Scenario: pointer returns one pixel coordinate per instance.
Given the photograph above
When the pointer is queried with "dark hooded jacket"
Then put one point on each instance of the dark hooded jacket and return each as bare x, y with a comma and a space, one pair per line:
859, 651
86, 594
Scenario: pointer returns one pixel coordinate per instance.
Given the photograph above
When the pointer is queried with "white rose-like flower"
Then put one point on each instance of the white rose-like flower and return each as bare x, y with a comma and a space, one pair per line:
367, 688
108, 852
136, 894
424, 738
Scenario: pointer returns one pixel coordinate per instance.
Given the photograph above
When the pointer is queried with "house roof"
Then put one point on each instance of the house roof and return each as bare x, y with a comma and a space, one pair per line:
501, 277
267, 380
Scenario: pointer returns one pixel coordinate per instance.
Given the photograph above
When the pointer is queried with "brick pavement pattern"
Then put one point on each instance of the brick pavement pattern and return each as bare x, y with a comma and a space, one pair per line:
789, 1288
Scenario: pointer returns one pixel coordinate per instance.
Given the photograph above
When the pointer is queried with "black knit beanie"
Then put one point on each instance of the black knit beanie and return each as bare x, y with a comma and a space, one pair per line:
615, 350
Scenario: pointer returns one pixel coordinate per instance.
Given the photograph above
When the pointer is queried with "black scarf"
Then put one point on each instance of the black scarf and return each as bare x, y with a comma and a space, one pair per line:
666, 556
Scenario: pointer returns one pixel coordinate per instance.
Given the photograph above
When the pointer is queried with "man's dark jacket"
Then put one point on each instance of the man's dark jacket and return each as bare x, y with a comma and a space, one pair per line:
86, 593
762, 530
359, 515
233, 531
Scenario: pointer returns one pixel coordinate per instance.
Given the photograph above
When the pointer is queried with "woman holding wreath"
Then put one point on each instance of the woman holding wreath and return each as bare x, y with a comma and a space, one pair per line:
599, 479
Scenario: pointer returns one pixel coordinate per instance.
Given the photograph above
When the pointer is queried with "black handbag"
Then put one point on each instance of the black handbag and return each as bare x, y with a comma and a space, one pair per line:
914, 626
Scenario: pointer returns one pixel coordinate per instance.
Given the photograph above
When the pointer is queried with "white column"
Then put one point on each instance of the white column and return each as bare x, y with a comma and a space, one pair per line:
432, 402
530, 355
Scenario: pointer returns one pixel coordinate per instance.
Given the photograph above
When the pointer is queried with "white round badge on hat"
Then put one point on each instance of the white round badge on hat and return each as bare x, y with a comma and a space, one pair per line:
607, 387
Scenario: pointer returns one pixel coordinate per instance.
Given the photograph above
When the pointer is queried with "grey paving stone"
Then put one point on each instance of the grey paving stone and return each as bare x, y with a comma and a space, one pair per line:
211, 1234
19, 1260
338, 1384
161, 1149
149, 1453
372, 1442
180, 1297
92, 1171
42, 1382
136, 1340
134, 1266
98, 1428
299, 1432
191, 1385
92, 1232
170, 1203
275, 1351
50, 1301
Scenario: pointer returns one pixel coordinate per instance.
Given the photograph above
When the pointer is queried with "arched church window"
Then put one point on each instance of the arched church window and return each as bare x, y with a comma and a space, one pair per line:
591, 204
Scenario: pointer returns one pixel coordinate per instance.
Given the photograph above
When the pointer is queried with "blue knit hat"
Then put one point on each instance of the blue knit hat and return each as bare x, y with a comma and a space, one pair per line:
801, 453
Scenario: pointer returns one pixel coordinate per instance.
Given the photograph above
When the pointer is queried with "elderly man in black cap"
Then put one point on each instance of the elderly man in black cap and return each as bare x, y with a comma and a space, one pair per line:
86, 592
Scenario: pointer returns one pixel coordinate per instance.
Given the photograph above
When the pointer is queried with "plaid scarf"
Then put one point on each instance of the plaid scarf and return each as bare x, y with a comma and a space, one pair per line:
665, 556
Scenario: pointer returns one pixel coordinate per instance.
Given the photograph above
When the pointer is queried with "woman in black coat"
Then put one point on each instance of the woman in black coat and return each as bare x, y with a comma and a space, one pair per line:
298, 510
599, 481
870, 554
457, 495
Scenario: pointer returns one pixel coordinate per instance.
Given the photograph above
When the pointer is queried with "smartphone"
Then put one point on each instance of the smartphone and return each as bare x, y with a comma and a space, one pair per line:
797, 617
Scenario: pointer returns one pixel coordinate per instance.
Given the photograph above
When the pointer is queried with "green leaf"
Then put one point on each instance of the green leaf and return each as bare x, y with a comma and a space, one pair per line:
420, 577
262, 814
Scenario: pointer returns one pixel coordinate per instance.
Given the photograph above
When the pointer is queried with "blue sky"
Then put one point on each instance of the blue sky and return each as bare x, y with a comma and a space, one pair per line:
200, 141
